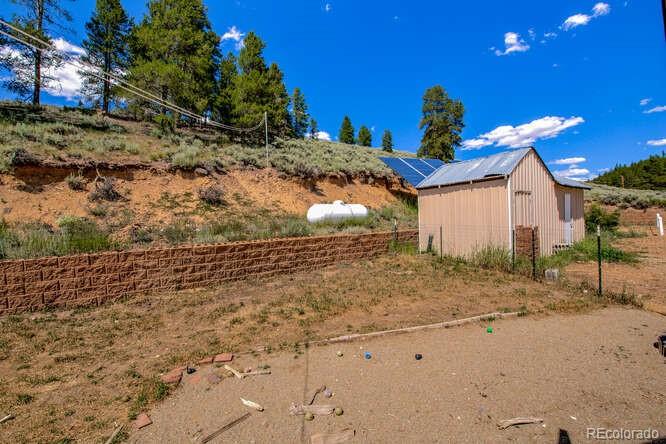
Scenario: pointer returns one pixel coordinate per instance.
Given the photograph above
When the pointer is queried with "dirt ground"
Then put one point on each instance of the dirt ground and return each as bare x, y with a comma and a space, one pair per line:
74, 374
155, 197
646, 280
575, 371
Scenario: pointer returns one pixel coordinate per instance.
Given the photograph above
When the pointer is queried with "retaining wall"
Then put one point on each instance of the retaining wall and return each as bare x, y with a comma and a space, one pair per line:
93, 279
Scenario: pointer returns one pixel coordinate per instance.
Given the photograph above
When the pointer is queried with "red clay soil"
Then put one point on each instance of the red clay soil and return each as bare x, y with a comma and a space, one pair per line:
573, 371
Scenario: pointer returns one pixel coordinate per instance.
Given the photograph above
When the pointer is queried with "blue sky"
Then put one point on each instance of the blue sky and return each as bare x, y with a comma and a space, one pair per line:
568, 77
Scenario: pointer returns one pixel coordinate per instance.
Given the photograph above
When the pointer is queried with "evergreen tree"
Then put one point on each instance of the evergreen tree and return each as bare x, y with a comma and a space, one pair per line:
32, 69
175, 53
387, 141
258, 89
300, 114
314, 129
443, 123
364, 136
223, 106
346, 134
106, 45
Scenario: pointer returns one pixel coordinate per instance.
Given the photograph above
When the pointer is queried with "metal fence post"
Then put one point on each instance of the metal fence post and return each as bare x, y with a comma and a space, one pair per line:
395, 230
534, 273
441, 244
599, 257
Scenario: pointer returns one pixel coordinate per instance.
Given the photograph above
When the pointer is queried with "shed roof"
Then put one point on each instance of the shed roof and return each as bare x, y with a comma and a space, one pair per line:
485, 168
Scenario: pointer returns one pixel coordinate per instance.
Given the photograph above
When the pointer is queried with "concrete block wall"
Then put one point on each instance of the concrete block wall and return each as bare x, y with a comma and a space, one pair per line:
93, 279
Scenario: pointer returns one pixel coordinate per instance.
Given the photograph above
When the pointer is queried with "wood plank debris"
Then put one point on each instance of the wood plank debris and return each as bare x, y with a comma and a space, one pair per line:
317, 409
252, 405
225, 427
506, 423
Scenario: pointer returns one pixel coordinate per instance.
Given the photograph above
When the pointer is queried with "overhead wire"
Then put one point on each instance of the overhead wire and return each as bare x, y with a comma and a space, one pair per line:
121, 83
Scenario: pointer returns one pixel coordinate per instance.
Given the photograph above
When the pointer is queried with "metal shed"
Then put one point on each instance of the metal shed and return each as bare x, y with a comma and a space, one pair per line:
468, 205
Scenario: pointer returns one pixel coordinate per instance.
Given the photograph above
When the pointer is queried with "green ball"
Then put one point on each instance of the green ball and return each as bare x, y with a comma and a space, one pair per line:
338, 411
489, 329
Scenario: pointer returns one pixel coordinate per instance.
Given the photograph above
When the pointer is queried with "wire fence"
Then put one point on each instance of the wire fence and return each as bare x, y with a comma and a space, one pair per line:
534, 251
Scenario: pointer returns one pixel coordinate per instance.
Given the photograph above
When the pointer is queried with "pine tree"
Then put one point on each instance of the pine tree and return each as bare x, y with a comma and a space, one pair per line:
32, 69
106, 45
314, 129
258, 90
175, 53
387, 141
443, 123
346, 134
223, 106
300, 115
364, 136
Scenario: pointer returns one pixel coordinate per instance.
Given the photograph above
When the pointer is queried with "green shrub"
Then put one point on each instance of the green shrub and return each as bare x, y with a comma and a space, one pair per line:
187, 157
105, 190
491, 258
75, 182
596, 215
179, 231
212, 195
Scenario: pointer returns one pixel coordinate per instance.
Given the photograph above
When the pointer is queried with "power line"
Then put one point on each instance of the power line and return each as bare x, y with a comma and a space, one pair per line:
140, 92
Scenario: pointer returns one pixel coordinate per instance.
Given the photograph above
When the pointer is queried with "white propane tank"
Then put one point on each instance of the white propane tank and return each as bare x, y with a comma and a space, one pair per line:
338, 210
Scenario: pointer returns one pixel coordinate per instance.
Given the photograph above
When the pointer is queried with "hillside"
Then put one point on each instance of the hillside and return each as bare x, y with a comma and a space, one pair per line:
73, 181
646, 174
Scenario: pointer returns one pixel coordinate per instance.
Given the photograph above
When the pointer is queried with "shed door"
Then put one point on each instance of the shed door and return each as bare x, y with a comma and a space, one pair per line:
568, 226
522, 208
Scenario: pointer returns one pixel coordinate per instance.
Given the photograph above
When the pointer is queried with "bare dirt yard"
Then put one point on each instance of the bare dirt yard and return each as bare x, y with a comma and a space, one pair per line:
645, 280
71, 376
592, 370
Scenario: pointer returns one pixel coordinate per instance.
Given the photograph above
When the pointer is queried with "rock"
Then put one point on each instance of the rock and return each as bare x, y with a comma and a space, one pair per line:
201, 171
173, 377
142, 421
552, 274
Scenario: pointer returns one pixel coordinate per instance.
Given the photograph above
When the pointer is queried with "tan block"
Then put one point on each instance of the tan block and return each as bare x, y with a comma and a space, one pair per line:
16, 266
120, 267
132, 256
75, 283
12, 290
120, 288
41, 286
73, 261
103, 258
146, 284
104, 279
27, 301
52, 273
38, 264
59, 298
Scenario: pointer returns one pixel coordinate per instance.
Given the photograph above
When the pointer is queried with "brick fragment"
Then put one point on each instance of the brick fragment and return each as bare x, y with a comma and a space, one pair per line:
142, 421
223, 357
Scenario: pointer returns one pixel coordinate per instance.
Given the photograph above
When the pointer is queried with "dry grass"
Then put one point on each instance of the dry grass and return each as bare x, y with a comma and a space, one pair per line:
72, 375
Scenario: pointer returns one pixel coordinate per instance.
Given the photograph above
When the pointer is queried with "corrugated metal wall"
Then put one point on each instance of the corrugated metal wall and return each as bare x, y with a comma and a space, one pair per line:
471, 216
545, 203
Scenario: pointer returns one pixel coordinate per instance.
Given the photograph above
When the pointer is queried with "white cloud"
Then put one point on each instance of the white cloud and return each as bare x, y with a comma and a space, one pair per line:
576, 20
646, 101
234, 35
328, 7
396, 18
656, 109
573, 173
523, 135
323, 135
531, 33
603, 170
550, 35
556, 65
600, 9
64, 46
67, 81
513, 43
658, 142
569, 161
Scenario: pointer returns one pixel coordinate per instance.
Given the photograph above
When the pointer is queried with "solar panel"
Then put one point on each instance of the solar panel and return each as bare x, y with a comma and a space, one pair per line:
412, 169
